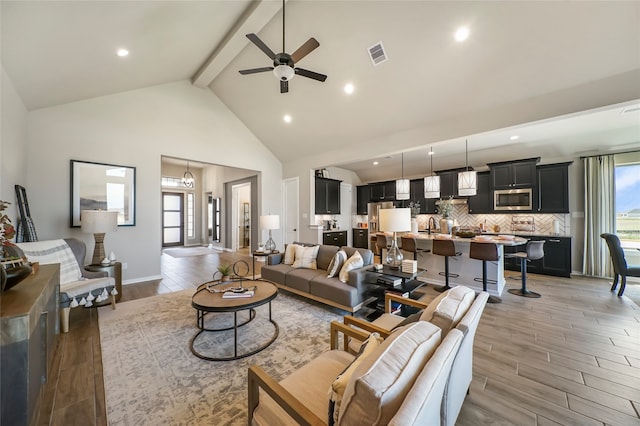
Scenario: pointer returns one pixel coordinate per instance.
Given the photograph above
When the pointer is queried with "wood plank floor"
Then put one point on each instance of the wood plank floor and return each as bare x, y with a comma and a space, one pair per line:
571, 357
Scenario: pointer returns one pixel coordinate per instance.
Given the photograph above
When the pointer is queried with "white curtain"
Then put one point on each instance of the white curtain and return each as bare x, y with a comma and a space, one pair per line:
599, 213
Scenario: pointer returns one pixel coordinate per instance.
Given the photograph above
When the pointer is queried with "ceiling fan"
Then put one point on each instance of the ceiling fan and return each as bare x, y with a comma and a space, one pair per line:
283, 63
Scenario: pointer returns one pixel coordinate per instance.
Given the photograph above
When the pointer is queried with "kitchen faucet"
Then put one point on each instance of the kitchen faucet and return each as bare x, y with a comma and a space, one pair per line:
431, 219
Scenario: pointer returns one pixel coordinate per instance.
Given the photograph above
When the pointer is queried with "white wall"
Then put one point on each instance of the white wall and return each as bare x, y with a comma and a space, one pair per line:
13, 146
135, 129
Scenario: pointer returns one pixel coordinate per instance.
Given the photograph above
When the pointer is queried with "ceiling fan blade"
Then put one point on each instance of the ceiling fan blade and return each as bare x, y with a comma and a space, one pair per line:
310, 74
255, 70
284, 86
254, 38
305, 49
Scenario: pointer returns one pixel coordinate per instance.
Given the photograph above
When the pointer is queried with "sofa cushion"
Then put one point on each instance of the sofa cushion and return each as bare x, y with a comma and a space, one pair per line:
338, 386
320, 372
325, 254
353, 262
335, 290
366, 254
289, 254
382, 381
300, 278
275, 273
447, 309
336, 263
306, 257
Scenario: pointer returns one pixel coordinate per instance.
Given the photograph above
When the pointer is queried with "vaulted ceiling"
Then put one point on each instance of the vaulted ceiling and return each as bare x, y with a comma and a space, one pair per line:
524, 61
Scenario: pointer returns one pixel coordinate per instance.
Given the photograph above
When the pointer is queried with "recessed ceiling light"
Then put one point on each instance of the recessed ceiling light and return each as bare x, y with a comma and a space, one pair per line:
122, 53
287, 118
462, 34
348, 88
375, 163
514, 137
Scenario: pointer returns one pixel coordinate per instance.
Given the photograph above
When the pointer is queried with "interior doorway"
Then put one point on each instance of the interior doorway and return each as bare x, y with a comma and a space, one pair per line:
241, 217
172, 219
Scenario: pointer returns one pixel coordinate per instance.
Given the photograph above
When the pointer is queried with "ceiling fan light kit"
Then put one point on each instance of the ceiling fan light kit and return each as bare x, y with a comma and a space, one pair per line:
283, 63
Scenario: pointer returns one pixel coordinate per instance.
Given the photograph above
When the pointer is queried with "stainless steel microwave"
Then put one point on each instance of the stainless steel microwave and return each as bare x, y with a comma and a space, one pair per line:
513, 199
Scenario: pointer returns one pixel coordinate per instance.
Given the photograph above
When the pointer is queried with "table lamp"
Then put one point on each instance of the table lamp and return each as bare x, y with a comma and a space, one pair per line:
98, 222
395, 220
271, 221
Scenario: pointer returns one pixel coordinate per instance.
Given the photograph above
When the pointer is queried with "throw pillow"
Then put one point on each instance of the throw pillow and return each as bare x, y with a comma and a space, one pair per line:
306, 257
354, 262
336, 263
290, 254
336, 391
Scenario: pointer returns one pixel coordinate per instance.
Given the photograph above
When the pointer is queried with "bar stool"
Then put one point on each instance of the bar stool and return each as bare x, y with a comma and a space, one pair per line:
447, 249
534, 251
382, 243
409, 245
487, 252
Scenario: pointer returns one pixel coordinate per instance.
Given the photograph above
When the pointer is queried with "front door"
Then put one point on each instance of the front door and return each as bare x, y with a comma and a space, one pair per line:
172, 219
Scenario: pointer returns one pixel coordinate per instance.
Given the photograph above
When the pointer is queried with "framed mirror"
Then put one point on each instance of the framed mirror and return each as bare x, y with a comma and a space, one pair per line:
97, 186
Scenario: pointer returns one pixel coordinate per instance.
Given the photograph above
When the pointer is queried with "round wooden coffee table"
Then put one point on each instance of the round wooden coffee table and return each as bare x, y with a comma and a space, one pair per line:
207, 299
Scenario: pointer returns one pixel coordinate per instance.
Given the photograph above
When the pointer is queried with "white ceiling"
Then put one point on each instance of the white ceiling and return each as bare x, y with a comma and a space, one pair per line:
524, 62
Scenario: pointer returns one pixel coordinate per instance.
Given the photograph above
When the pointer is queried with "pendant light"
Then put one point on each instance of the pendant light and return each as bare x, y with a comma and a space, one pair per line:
402, 185
187, 178
467, 180
431, 182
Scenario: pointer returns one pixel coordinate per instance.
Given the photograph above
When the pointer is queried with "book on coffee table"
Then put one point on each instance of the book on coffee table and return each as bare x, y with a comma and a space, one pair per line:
233, 295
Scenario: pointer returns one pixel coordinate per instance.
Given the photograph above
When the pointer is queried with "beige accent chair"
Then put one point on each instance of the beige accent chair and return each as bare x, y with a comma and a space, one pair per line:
453, 309
401, 382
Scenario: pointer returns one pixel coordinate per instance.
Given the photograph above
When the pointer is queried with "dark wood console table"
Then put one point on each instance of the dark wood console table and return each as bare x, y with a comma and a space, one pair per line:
29, 329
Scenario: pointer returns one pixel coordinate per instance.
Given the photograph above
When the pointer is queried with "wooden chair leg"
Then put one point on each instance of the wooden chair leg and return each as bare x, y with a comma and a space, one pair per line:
113, 301
64, 319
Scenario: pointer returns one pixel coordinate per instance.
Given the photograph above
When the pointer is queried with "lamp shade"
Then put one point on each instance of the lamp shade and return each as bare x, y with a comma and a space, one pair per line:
402, 189
467, 183
98, 221
395, 220
271, 221
432, 186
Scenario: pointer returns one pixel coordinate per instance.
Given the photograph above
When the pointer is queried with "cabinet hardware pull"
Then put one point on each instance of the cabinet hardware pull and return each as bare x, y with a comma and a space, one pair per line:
554, 241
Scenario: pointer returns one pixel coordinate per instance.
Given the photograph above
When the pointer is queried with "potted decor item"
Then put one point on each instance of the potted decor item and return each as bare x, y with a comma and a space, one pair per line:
225, 271
415, 210
446, 223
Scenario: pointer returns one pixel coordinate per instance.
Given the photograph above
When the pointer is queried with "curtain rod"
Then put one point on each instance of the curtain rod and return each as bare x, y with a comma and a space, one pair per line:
613, 153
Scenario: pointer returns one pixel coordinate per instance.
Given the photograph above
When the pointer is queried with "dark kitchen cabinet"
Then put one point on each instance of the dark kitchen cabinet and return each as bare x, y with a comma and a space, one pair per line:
327, 196
448, 183
553, 188
361, 238
416, 189
363, 195
334, 238
482, 202
383, 191
514, 174
556, 260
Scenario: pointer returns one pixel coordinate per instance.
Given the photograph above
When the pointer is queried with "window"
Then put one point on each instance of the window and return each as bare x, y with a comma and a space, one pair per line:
173, 182
190, 215
627, 181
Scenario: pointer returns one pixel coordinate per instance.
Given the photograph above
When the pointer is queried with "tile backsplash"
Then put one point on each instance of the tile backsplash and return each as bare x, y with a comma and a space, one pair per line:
542, 223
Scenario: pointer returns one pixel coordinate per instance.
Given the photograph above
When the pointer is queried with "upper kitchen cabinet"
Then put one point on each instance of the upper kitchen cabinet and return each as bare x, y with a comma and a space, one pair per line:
362, 199
427, 205
327, 196
553, 188
449, 182
514, 174
383, 191
482, 201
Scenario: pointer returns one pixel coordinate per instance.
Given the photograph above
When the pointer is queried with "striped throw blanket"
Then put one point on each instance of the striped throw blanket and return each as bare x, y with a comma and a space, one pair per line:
54, 251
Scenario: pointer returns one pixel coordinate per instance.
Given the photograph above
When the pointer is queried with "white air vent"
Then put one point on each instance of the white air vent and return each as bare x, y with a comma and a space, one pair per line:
377, 54
632, 108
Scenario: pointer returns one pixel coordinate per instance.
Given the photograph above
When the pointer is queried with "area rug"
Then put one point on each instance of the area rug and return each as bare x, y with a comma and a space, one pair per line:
190, 251
152, 378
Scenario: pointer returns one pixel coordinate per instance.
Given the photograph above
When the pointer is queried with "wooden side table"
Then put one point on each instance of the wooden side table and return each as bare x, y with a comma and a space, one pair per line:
114, 270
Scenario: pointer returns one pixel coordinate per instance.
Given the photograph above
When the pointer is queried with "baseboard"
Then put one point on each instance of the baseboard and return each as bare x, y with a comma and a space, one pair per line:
142, 279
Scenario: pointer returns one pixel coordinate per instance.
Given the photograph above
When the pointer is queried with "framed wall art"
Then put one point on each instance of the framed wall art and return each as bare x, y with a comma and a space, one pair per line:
97, 186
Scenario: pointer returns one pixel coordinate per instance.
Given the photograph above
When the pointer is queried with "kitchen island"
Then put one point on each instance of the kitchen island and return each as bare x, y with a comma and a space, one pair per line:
462, 269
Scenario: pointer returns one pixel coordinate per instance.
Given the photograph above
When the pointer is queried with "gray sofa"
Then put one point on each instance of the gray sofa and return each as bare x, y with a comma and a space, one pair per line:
314, 284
